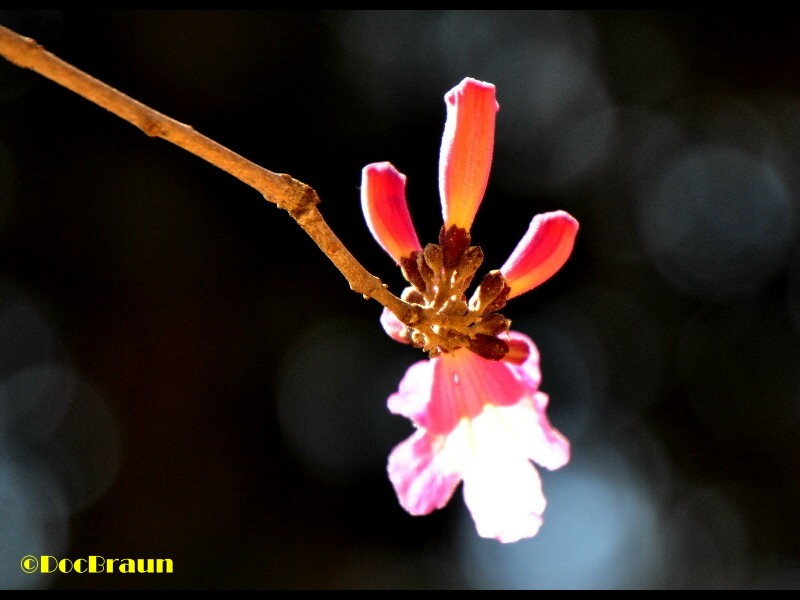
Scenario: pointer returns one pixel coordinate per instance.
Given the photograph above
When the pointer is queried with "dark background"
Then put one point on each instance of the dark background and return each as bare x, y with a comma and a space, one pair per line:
184, 375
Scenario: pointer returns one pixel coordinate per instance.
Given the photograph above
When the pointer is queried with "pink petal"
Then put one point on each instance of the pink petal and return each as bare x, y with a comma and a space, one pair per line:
463, 385
414, 394
466, 153
541, 252
537, 439
393, 326
438, 393
383, 201
528, 428
527, 370
504, 496
420, 479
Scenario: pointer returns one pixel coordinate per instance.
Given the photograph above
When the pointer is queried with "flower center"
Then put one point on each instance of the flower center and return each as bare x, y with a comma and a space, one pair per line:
439, 276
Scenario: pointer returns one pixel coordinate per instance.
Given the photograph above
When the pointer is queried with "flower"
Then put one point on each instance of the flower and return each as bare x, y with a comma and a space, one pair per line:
479, 415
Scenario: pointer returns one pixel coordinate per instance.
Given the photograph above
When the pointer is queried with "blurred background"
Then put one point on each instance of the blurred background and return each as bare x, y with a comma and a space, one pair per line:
184, 375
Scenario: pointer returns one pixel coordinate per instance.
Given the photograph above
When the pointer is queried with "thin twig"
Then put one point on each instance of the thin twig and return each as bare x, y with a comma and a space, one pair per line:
295, 197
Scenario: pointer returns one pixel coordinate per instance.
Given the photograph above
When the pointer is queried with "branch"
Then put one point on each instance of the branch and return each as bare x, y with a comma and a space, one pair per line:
295, 197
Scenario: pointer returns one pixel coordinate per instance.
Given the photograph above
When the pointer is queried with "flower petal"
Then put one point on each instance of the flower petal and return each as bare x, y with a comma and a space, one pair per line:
437, 394
383, 201
393, 326
528, 428
527, 421
421, 478
414, 394
503, 494
466, 153
528, 369
463, 385
541, 252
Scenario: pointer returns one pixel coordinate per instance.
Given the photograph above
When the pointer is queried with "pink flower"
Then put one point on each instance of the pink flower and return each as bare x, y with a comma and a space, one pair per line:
479, 414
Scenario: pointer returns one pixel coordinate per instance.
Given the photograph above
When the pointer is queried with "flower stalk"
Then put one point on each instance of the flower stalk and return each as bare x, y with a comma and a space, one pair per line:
478, 412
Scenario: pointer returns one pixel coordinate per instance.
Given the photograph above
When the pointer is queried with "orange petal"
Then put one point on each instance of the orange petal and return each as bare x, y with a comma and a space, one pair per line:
466, 154
541, 252
383, 200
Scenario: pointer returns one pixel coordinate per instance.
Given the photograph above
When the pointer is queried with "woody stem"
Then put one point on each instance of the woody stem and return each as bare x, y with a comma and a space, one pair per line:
295, 197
